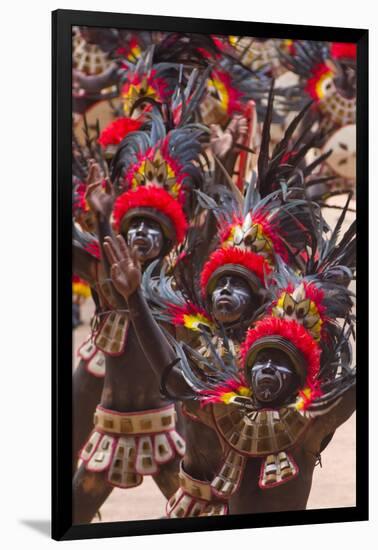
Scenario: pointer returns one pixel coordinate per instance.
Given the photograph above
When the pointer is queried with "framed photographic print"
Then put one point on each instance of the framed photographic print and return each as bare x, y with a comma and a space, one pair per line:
210, 192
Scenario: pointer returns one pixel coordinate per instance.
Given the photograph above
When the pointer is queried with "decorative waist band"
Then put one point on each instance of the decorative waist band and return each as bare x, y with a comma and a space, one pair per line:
194, 498
128, 446
143, 422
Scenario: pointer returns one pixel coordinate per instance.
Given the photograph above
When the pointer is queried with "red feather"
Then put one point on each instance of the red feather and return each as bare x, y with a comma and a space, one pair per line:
226, 228
79, 202
232, 255
292, 331
317, 72
178, 312
117, 130
155, 198
215, 394
316, 295
93, 248
343, 50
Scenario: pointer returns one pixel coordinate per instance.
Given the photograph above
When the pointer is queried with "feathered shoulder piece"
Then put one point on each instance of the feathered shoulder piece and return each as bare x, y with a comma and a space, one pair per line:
213, 376
233, 86
171, 304
144, 80
155, 156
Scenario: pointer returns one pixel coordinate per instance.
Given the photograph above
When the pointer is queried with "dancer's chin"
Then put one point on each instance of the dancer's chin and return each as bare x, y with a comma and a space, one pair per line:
226, 316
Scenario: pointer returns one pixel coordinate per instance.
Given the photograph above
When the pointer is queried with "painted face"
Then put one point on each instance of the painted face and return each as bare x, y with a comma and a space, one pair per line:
273, 378
147, 237
231, 299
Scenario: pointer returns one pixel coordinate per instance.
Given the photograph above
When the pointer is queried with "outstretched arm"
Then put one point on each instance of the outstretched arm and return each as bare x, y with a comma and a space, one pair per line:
225, 143
126, 276
100, 201
95, 83
325, 425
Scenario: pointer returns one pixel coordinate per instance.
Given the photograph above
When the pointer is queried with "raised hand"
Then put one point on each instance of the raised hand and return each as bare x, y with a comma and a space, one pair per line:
220, 141
238, 128
125, 268
99, 198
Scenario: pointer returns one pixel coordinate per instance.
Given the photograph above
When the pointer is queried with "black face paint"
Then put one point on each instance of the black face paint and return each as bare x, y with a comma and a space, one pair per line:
147, 237
231, 299
273, 378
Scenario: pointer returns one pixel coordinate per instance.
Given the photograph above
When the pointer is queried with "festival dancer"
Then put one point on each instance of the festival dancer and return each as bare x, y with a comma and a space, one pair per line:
276, 411
134, 432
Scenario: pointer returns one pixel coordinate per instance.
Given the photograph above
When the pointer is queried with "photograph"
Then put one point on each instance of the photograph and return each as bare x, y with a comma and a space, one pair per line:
214, 224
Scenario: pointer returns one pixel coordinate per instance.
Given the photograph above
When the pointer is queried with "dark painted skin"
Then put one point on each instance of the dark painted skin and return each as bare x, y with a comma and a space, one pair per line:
231, 299
272, 377
146, 237
129, 383
294, 494
202, 458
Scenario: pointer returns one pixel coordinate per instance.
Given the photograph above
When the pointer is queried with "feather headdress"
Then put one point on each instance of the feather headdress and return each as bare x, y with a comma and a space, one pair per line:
308, 61
306, 313
157, 170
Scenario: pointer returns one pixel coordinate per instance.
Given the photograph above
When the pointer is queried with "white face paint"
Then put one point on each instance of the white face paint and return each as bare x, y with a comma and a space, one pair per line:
231, 299
147, 237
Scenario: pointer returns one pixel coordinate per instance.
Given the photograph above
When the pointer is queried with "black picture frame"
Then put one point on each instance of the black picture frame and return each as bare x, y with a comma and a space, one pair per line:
62, 527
